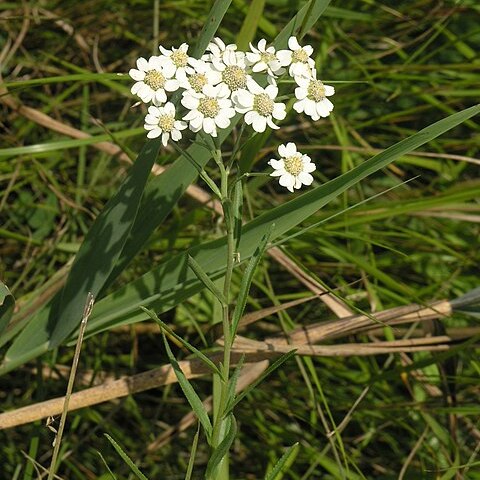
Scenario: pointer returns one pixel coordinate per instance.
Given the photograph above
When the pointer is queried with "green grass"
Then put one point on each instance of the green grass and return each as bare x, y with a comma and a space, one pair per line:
400, 67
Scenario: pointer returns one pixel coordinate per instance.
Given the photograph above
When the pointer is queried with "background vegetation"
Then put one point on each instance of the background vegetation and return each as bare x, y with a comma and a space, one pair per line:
402, 66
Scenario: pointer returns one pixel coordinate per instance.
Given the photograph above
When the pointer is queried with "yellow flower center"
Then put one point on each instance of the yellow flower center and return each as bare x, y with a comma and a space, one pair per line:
300, 56
166, 122
154, 79
316, 90
267, 57
179, 58
263, 104
294, 164
197, 81
209, 107
235, 77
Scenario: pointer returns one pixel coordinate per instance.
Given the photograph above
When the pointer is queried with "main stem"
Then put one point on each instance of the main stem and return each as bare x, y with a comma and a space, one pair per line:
218, 434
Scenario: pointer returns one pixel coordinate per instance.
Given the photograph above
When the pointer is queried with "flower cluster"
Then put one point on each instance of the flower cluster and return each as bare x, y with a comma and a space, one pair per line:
225, 82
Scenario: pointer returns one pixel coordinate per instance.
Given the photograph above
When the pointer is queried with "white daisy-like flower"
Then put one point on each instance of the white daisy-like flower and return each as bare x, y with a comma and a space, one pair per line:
259, 106
152, 81
161, 121
176, 61
231, 69
301, 65
263, 59
209, 109
312, 97
202, 75
293, 168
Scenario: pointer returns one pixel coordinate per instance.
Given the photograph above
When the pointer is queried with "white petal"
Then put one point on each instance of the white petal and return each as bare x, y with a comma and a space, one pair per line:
259, 67
276, 164
243, 98
142, 64
154, 133
308, 49
329, 90
271, 124
301, 93
165, 137
164, 51
160, 96
259, 123
262, 44
176, 135
249, 117
293, 43
282, 151
171, 85
279, 112
298, 106
136, 87
169, 108
285, 57
180, 125
192, 115
291, 149
309, 167
287, 180
271, 91
190, 102
254, 87
169, 70
209, 125
305, 178
137, 75
222, 121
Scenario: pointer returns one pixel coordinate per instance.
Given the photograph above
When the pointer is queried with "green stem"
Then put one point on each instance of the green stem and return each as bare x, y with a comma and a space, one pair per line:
222, 470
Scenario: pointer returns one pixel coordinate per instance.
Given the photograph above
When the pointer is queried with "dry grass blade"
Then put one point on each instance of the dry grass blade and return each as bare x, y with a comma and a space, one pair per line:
247, 346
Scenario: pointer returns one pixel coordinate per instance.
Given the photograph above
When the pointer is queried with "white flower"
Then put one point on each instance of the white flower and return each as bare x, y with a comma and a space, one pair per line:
152, 81
312, 97
293, 168
176, 61
267, 59
161, 121
258, 105
298, 58
231, 69
201, 75
209, 109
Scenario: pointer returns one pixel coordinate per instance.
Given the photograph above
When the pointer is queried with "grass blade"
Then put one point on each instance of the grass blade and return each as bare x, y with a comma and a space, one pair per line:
277, 363
126, 458
285, 461
250, 24
193, 452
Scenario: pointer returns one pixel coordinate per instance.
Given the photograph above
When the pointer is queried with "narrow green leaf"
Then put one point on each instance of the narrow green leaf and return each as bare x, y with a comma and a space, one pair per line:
126, 458
223, 448
247, 280
193, 453
186, 344
277, 363
7, 304
232, 384
250, 24
210, 26
283, 463
95, 259
190, 393
203, 277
